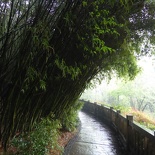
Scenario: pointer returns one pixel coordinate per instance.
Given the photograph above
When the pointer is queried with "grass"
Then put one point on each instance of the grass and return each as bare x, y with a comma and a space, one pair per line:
143, 119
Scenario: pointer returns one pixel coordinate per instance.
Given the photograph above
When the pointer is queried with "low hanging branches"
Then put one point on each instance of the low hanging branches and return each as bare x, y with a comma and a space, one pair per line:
50, 50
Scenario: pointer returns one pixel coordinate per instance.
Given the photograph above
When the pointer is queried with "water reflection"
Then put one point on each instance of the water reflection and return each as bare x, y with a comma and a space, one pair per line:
95, 138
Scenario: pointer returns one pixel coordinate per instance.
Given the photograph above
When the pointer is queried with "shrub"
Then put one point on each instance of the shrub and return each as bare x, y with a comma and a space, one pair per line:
69, 118
39, 141
143, 119
44, 135
123, 108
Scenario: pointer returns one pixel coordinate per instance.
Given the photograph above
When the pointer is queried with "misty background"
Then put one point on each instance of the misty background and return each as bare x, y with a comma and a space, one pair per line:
138, 94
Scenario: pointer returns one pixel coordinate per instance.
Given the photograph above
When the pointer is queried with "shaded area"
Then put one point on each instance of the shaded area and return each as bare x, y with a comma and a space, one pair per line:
95, 138
51, 50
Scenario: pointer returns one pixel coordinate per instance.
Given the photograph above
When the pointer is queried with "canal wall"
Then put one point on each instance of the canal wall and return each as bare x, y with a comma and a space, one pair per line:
137, 140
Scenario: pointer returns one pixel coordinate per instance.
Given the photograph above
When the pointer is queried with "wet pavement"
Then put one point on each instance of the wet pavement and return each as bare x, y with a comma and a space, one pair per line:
95, 138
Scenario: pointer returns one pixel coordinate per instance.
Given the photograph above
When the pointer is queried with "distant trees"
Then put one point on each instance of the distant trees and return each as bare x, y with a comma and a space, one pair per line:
138, 94
134, 96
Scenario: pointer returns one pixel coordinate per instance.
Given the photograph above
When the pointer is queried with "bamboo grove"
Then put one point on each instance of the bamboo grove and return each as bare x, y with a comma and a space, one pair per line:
50, 50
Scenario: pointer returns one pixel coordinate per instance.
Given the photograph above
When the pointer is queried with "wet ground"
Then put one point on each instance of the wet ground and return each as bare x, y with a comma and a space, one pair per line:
95, 138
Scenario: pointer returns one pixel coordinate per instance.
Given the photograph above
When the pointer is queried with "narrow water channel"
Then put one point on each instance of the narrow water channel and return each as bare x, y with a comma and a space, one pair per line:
95, 138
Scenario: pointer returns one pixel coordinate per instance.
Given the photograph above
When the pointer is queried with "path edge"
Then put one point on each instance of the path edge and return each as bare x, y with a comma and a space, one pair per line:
71, 142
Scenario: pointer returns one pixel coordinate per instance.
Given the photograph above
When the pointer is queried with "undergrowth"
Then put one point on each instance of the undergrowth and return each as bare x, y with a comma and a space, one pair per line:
143, 119
39, 141
69, 118
44, 135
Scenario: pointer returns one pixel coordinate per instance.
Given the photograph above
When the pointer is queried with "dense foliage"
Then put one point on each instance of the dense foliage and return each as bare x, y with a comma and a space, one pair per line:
45, 135
51, 49
40, 141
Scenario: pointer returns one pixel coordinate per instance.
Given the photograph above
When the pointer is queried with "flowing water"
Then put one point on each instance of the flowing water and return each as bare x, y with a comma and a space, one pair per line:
95, 138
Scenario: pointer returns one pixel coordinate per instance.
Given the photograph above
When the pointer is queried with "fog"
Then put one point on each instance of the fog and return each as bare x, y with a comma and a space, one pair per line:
140, 90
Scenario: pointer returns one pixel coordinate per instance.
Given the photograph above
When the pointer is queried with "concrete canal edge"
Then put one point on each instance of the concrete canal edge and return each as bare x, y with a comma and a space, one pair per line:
103, 114
72, 141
